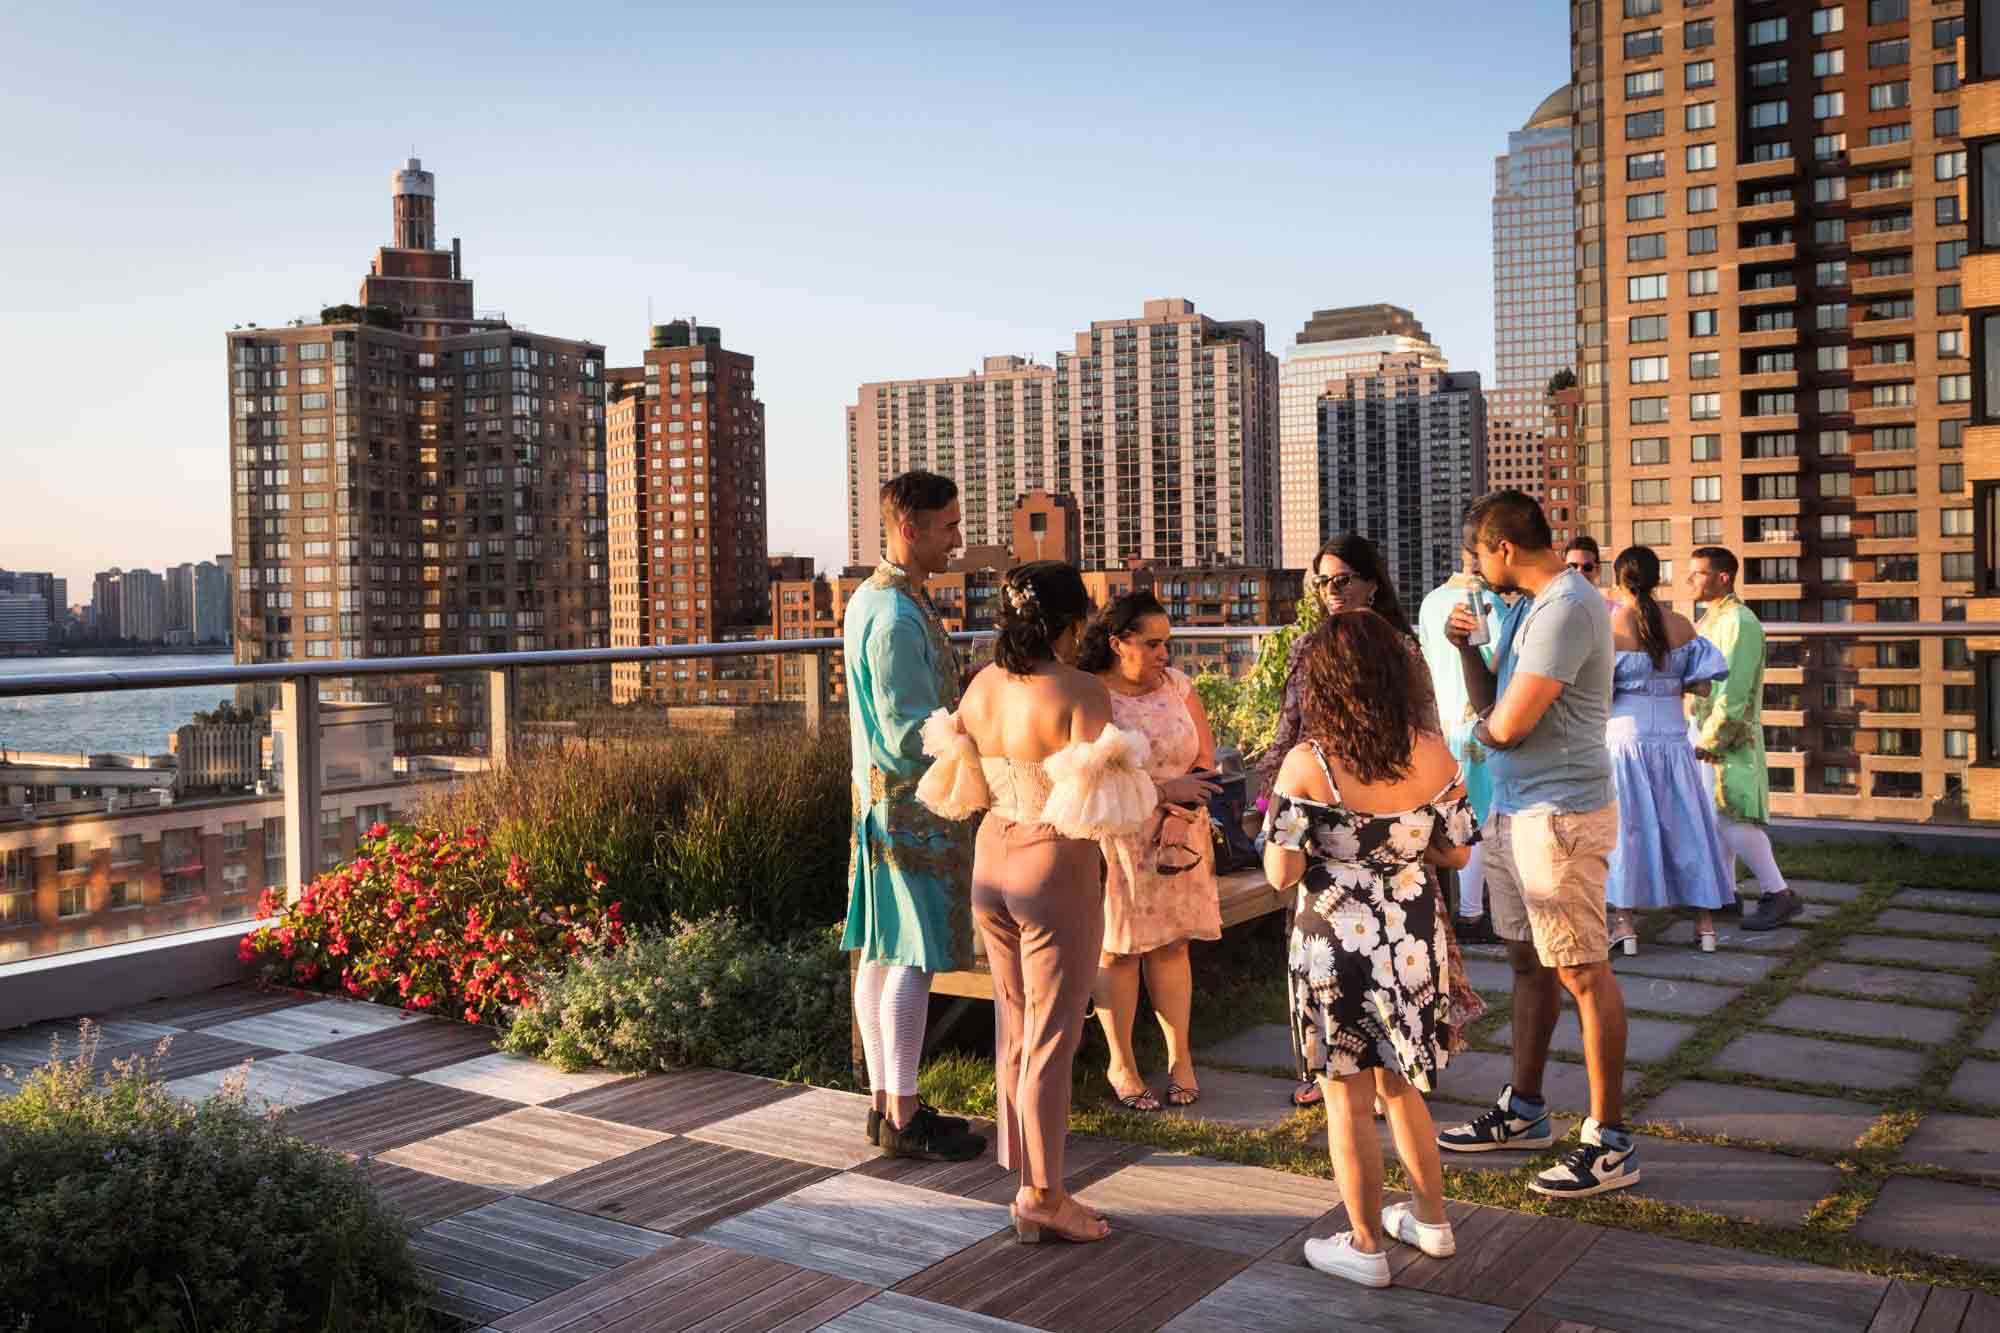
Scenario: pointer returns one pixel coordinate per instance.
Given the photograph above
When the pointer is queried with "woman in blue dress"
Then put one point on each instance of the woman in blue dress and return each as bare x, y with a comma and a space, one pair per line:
1669, 851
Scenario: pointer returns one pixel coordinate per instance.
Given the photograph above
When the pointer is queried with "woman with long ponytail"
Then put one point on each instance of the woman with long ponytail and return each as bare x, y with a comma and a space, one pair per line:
1669, 851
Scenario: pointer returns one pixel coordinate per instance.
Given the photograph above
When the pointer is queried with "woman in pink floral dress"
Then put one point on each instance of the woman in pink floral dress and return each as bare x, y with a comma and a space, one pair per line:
1159, 889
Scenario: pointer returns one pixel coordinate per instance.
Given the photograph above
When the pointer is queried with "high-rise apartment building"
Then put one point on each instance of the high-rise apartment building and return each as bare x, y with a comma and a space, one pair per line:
180, 602
1773, 354
1400, 462
413, 477
1350, 340
1534, 291
139, 599
1163, 428
689, 532
1979, 128
208, 617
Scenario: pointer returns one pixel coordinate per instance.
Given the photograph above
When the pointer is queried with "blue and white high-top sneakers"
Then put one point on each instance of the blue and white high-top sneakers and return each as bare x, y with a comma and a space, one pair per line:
1511, 1123
1605, 1160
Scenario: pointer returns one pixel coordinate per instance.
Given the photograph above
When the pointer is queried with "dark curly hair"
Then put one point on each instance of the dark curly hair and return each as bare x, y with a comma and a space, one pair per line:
1038, 602
1115, 621
1359, 696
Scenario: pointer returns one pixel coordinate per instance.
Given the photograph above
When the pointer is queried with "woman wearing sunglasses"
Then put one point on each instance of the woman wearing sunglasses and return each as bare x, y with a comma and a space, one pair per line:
1159, 889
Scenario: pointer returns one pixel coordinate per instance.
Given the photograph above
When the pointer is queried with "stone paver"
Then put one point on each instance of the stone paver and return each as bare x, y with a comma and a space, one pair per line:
1934, 1215
1447, 1114
1989, 1040
1812, 1060
1674, 995
1948, 900
1863, 1018
1968, 1143
1247, 1101
1763, 1187
1489, 977
1647, 1041
1977, 1081
1476, 1077
1730, 1111
1891, 983
1723, 969
1266, 1046
1731, 935
1967, 954
1826, 891
1939, 923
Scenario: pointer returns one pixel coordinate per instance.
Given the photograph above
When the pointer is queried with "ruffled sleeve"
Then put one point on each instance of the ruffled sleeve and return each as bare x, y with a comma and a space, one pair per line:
954, 786
1705, 663
1099, 789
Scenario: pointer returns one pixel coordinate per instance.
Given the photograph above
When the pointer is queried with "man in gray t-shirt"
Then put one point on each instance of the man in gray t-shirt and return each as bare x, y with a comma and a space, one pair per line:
1543, 709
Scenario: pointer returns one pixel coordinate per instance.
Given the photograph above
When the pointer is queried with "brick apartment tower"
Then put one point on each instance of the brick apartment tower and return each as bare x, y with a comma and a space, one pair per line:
1163, 429
412, 478
1534, 292
1773, 354
689, 533
1979, 62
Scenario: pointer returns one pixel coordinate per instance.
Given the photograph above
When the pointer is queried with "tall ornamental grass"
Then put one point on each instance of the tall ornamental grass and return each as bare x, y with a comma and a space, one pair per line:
680, 826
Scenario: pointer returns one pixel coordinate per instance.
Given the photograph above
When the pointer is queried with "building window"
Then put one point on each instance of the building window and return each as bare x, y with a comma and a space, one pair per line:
1825, 106
1645, 410
1645, 166
1639, 249
1704, 365
1764, 32
1833, 18
120, 895
1645, 125
1703, 281
1826, 64
1702, 323
1643, 207
1701, 199
1944, 78
1769, 115
1697, 116
1646, 287
1892, 51
1652, 532
1707, 531
1954, 388
1646, 328
1699, 74
1705, 406
1828, 146
72, 902
1651, 491
1644, 44
1650, 451
1653, 82
1701, 240
1705, 448
1769, 73
1697, 33
1649, 369
1707, 490
1701, 157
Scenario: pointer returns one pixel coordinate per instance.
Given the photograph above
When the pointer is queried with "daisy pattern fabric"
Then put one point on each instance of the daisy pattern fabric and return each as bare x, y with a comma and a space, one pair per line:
1369, 974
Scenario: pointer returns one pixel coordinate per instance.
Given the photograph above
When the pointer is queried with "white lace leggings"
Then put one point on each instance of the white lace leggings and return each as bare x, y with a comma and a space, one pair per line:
1754, 845
891, 1004
1472, 884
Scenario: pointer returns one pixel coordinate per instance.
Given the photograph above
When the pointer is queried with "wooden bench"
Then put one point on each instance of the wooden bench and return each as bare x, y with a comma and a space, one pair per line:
1245, 895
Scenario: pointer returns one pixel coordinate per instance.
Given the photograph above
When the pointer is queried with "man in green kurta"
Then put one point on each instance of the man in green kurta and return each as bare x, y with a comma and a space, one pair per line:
1727, 728
909, 871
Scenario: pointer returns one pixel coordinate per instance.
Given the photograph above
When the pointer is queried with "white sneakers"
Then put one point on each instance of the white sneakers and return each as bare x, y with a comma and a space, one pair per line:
1400, 1220
1337, 1257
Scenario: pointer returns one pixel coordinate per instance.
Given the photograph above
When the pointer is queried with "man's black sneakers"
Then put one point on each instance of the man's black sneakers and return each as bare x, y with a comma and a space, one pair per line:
1773, 910
876, 1120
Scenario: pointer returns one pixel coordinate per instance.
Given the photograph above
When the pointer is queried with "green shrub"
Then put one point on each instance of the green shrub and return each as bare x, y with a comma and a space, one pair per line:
126, 1208
1244, 713
682, 826
709, 993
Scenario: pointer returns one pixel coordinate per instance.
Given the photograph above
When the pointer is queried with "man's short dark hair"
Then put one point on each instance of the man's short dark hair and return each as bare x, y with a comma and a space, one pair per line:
1721, 559
916, 492
1584, 542
1509, 516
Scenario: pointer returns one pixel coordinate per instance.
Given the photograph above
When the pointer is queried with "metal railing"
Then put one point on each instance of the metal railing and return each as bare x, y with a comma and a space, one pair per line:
299, 689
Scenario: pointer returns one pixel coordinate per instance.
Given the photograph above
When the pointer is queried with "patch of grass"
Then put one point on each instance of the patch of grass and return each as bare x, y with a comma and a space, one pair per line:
1860, 863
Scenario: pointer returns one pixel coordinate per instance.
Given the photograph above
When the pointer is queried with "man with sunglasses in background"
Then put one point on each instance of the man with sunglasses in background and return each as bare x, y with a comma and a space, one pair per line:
1585, 558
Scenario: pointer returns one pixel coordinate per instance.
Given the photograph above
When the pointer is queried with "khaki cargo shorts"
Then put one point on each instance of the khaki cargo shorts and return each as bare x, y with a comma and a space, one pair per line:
1545, 882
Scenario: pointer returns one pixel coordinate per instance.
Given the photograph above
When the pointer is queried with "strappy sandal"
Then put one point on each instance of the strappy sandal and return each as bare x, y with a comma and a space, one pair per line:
1027, 1231
1307, 1094
1142, 1100
1180, 1096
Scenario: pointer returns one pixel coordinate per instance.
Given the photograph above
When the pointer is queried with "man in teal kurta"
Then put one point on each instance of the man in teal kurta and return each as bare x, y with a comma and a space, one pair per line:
1727, 728
909, 870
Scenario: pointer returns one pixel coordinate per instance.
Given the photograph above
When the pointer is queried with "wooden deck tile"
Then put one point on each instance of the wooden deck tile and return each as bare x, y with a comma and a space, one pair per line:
223, 1004
893, 1312
679, 1101
855, 1227
1945, 1311
680, 1185
1086, 1160
511, 1253
187, 1053
517, 1078
421, 1198
690, 1285
414, 1049
1247, 1210
819, 1126
1287, 1298
304, 1027
33, 1046
389, 1115
1530, 1322
1637, 1281
283, 1080
1128, 1283
526, 1147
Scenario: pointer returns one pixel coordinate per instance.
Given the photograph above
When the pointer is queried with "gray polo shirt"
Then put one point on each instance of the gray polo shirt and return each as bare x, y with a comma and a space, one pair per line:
1562, 767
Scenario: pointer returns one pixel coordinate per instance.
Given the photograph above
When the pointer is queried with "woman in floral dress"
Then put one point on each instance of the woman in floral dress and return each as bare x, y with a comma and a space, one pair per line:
1360, 808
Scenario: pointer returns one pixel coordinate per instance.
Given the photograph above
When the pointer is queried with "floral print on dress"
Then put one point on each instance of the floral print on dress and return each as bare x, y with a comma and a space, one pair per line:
1369, 960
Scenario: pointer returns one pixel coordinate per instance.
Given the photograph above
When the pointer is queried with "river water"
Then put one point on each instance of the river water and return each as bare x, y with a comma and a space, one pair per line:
126, 722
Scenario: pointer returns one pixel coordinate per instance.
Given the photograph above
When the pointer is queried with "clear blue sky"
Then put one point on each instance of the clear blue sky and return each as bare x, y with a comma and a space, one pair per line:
851, 193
